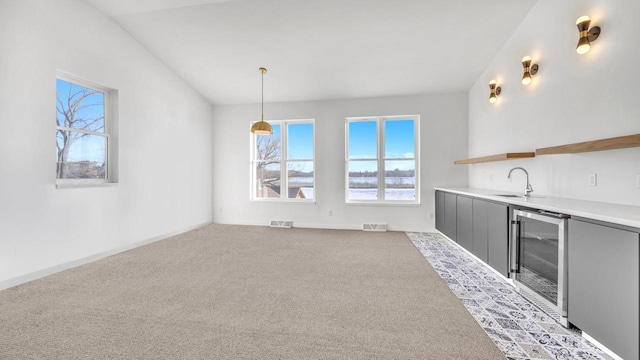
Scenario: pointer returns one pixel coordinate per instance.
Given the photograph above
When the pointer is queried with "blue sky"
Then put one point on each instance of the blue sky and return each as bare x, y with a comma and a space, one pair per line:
300, 141
399, 144
299, 146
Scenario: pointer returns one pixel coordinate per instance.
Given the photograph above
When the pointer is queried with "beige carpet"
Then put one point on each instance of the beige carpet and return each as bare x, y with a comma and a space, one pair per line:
239, 292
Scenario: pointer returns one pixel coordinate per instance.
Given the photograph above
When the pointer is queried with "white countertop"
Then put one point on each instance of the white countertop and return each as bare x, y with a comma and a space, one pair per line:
613, 213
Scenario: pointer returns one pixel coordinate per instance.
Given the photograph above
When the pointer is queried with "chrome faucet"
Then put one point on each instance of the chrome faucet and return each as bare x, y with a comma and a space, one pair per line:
528, 188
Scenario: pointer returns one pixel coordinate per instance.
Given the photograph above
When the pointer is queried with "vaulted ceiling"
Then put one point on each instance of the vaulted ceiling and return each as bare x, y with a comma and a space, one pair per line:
319, 50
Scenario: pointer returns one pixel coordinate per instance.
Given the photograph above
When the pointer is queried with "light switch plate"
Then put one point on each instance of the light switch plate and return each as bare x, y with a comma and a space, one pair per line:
593, 179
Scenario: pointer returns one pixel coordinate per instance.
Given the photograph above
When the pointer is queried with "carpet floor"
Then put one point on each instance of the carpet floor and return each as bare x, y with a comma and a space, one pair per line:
242, 292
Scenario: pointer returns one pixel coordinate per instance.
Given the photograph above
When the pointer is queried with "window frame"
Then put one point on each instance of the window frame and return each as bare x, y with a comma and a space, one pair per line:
109, 96
284, 154
380, 159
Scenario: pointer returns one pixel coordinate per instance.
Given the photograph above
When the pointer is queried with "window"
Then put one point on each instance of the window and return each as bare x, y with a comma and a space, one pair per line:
382, 145
282, 164
83, 138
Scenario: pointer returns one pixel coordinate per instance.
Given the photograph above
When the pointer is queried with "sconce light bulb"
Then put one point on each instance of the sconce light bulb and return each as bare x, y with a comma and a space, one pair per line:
493, 98
583, 46
526, 58
526, 79
582, 19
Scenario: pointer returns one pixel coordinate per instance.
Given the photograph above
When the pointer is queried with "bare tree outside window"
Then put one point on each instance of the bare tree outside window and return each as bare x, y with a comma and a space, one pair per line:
268, 153
294, 180
81, 140
268, 166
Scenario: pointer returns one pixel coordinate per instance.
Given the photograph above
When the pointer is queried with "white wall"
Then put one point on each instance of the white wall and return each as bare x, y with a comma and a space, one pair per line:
165, 157
573, 98
443, 133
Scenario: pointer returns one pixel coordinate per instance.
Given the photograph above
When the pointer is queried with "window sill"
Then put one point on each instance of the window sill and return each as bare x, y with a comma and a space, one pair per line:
84, 185
278, 201
374, 203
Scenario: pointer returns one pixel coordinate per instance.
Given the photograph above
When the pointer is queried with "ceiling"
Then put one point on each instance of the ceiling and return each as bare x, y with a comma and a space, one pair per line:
320, 50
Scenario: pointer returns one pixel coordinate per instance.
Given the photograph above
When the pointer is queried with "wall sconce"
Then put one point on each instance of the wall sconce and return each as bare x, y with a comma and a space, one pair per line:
586, 35
529, 70
495, 91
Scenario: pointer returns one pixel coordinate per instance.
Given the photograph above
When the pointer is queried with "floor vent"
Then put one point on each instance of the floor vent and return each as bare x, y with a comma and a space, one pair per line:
374, 227
281, 224
533, 297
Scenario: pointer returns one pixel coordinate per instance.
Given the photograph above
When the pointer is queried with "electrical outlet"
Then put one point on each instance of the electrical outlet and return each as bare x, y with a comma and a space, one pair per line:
430, 215
638, 181
330, 212
593, 179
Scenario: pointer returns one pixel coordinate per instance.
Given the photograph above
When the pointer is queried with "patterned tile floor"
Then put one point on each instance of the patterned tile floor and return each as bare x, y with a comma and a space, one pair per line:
516, 326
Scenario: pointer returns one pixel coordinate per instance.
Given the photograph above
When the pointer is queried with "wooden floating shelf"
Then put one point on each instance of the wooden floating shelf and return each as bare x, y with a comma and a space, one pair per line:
498, 157
621, 142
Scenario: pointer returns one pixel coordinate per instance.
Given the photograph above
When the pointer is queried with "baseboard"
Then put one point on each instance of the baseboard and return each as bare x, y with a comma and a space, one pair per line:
599, 345
326, 226
5, 284
487, 266
296, 224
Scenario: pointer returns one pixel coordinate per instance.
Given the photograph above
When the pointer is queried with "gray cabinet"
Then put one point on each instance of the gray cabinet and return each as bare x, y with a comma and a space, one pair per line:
440, 210
603, 271
480, 236
491, 234
498, 237
450, 215
481, 227
464, 224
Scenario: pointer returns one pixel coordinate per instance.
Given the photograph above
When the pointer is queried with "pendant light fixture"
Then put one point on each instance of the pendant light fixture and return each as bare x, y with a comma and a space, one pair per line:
262, 127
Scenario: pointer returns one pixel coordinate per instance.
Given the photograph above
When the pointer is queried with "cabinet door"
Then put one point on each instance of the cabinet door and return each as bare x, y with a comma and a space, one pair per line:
450, 216
479, 243
498, 237
440, 210
464, 221
603, 272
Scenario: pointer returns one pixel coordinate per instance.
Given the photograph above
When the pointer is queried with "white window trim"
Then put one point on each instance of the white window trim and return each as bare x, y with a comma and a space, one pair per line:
110, 100
380, 120
284, 180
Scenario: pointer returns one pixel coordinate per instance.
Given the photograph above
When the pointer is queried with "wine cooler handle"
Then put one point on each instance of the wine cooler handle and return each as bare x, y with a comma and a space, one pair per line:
515, 246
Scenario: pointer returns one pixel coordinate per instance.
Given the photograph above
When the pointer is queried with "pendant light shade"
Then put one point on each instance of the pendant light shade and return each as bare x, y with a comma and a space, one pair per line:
262, 127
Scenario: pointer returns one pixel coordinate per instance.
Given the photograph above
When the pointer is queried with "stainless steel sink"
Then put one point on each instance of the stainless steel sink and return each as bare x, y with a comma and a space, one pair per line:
519, 196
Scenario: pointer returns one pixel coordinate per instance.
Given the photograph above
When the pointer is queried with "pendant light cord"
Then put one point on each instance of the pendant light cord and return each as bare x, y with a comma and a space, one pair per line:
262, 72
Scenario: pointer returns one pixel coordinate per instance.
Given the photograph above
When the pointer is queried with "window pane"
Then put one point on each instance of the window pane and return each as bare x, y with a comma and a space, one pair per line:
267, 180
363, 180
300, 179
300, 141
268, 147
363, 138
79, 107
81, 156
400, 180
399, 139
